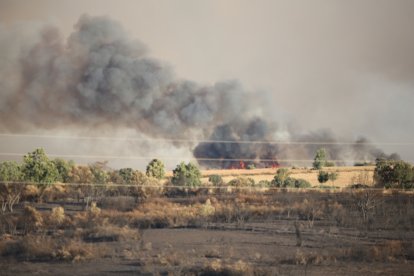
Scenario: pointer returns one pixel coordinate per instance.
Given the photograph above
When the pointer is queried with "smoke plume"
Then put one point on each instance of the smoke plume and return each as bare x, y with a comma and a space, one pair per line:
99, 77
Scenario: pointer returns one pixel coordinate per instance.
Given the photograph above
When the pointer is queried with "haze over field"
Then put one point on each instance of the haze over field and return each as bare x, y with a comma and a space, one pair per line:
320, 71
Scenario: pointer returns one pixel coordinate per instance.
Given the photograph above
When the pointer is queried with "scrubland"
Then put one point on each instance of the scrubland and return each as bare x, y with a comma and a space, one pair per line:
106, 230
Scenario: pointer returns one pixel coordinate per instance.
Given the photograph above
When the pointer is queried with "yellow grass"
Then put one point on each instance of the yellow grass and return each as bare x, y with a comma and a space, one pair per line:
345, 174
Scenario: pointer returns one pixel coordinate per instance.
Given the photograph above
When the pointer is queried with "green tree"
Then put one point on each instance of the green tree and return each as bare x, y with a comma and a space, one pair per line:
186, 175
156, 169
323, 177
38, 168
64, 168
320, 159
394, 174
10, 171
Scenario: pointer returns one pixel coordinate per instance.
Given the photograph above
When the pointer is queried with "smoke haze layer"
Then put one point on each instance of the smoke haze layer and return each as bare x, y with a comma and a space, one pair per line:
100, 78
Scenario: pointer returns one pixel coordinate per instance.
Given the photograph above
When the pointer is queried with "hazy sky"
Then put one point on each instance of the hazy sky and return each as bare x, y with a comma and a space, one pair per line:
347, 66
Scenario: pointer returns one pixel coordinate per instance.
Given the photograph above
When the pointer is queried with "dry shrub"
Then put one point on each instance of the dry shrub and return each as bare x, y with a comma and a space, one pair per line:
242, 211
31, 220
314, 258
28, 248
44, 248
218, 267
8, 224
309, 210
108, 232
30, 193
56, 216
309, 258
337, 212
120, 203
55, 192
391, 250
76, 251
160, 213
207, 209
88, 219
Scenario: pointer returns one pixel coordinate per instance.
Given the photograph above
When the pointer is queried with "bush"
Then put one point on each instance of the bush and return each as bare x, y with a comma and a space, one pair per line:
156, 169
263, 183
186, 175
281, 178
302, 183
323, 177
251, 167
126, 176
242, 182
215, 179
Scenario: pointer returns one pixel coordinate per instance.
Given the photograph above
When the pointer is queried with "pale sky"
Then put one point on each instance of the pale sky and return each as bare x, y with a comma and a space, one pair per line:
347, 66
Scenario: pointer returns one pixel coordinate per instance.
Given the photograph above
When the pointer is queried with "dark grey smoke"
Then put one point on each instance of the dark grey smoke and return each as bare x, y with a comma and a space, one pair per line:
233, 151
99, 77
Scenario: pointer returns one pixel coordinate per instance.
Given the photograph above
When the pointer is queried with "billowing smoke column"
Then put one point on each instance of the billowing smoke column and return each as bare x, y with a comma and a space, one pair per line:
99, 77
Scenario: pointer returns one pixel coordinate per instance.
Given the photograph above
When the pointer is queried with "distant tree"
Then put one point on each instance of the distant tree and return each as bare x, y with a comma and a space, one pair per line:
320, 159
10, 192
81, 174
156, 169
394, 174
127, 175
323, 177
186, 175
64, 169
10, 171
38, 168
99, 171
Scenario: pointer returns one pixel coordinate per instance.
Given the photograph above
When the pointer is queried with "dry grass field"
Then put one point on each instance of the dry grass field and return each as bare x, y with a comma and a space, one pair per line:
346, 175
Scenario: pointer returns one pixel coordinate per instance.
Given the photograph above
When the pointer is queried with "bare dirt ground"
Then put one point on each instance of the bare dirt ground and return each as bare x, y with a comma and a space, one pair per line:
270, 248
